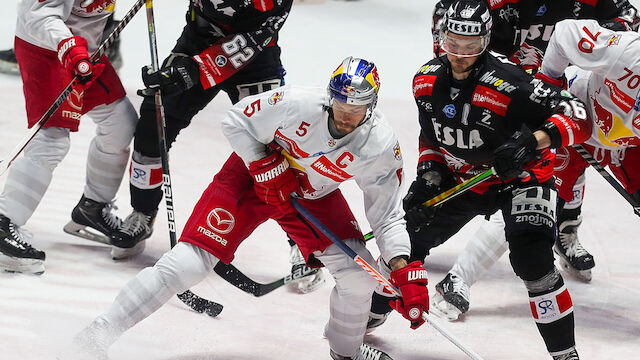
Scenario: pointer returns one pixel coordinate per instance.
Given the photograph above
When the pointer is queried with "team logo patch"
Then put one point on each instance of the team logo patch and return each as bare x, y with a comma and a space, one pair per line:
221, 60
490, 99
449, 111
541, 10
614, 40
396, 151
276, 97
624, 101
423, 85
221, 221
331, 142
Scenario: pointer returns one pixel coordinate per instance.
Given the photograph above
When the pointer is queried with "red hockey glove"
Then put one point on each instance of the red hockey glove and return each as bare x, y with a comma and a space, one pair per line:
274, 181
73, 55
412, 282
561, 82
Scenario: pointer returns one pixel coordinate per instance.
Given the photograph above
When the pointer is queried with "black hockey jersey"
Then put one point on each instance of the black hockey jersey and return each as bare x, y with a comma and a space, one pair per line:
209, 21
461, 129
522, 28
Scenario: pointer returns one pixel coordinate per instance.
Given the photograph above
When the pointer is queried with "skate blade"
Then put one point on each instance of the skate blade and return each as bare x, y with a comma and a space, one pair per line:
85, 232
9, 68
442, 309
582, 275
17, 265
123, 253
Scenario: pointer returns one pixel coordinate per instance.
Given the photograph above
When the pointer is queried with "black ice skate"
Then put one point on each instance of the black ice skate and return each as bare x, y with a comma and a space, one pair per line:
451, 298
16, 255
572, 256
129, 241
304, 278
93, 220
571, 355
365, 352
8, 62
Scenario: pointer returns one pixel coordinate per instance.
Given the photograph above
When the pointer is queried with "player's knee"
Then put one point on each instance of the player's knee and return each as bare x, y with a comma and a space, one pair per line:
48, 147
531, 255
185, 266
544, 284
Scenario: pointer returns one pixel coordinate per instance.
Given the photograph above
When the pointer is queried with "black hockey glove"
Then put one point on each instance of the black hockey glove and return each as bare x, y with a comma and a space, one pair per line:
182, 74
511, 157
416, 214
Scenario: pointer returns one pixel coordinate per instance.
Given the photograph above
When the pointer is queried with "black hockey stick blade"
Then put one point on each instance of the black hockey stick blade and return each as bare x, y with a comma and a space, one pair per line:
236, 278
199, 304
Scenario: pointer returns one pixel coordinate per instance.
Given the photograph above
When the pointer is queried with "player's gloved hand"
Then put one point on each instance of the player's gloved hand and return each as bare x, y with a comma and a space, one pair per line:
274, 181
616, 24
179, 73
412, 282
416, 214
73, 55
511, 157
561, 82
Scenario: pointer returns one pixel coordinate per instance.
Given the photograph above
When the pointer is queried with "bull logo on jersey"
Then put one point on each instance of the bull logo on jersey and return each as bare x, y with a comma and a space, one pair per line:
221, 221
611, 129
95, 6
396, 151
276, 97
614, 40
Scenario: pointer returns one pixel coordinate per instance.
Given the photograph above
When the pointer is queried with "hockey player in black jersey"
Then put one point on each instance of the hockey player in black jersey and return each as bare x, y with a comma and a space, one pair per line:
229, 46
478, 111
521, 31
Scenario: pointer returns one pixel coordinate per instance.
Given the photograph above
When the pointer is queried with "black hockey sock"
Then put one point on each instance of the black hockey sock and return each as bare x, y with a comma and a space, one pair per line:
380, 304
145, 201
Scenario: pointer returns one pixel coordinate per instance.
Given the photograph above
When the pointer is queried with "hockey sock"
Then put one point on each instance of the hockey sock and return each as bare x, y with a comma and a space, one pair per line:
552, 310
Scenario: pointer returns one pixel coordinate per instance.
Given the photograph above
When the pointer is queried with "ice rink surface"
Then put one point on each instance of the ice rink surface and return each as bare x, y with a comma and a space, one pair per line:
39, 314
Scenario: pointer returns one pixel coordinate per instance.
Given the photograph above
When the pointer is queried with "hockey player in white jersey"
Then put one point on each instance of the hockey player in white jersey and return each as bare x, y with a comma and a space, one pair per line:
293, 140
607, 79
52, 44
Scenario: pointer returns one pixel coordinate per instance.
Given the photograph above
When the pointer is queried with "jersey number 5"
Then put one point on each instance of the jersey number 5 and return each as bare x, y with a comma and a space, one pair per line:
252, 108
302, 129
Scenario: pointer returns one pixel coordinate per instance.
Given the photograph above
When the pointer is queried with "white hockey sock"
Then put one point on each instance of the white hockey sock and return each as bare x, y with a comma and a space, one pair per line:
486, 246
179, 269
30, 175
109, 150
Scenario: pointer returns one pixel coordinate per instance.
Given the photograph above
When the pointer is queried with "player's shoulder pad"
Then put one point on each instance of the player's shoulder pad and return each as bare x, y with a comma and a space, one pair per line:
503, 75
425, 78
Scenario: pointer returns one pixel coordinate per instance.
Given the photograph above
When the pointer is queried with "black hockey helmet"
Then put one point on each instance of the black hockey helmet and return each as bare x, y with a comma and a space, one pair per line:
466, 18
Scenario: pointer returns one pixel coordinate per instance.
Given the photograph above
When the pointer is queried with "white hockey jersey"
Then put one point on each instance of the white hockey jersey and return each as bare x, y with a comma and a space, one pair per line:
46, 23
294, 118
611, 84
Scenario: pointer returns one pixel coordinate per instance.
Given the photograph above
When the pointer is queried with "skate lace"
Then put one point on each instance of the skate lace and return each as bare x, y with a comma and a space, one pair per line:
110, 218
572, 246
458, 286
367, 353
20, 235
135, 223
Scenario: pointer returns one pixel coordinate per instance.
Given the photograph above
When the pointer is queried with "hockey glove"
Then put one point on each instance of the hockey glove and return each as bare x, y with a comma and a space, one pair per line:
74, 57
274, 181
412, 282
512, 156
561, 82
180, 73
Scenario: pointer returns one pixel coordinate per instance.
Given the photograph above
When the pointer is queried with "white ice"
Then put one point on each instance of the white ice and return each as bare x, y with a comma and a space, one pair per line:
39, 314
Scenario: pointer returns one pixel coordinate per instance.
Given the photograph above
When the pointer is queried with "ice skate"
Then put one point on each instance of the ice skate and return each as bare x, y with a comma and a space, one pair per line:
130, 240
365, 352
451, 298
93, 220
572, 256
305, 279
8, 62
91, 343
571, 355
16, 255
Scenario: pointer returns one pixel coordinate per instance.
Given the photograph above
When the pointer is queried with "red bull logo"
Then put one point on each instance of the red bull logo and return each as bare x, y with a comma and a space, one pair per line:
604, 119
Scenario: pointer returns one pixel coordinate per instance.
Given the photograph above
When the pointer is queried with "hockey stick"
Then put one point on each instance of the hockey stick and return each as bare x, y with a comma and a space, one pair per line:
236, 278
192, 300
607, 176
13, 154
376, 275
